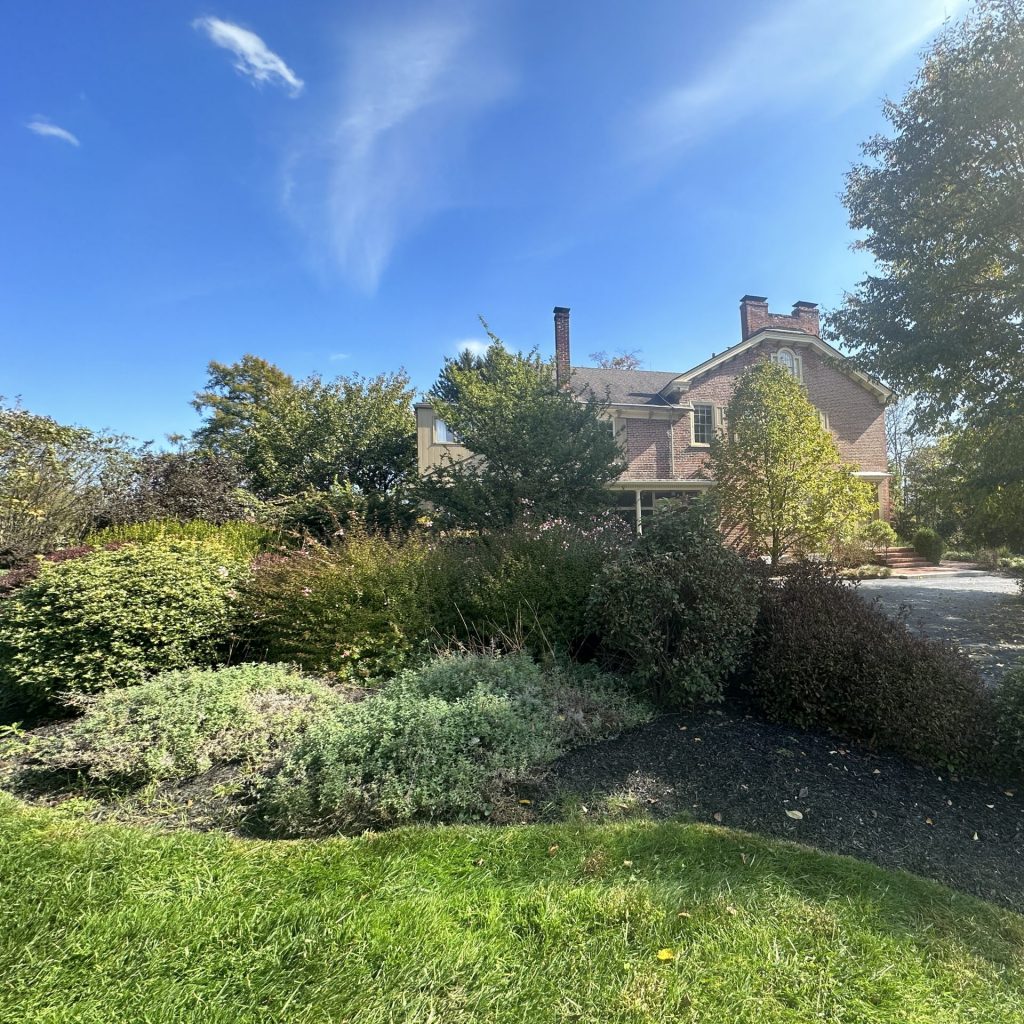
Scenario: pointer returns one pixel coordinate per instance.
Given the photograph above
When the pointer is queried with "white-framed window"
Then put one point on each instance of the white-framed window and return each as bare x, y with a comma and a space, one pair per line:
703, 424
443, 434
790, 361
823, 420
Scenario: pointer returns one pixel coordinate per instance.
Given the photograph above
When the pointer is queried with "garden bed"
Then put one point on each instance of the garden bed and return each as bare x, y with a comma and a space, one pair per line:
724, 768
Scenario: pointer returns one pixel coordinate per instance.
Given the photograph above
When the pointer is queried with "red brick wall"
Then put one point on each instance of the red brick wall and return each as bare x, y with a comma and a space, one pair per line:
856, 418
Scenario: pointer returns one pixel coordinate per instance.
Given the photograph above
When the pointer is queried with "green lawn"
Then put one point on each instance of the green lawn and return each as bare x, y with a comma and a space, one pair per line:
535, 923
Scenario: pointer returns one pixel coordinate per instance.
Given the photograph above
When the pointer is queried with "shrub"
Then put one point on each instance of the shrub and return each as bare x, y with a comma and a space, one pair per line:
527, 584
437, 744
240, 539
958, 555
1008, 714
356, 610
879, 534
928, 544
115, 616
179, 724
676, 609
825, 658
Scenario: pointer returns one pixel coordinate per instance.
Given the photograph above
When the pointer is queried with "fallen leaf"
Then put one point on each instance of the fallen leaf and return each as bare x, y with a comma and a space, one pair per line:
552, 849
876, 772
803, 792
744, 858
1008, 792
627, 863
732, 911
525, 803
990, 806
479, 862
666, 954
683, 913
928, 821
795, 815
975, 836
717, 815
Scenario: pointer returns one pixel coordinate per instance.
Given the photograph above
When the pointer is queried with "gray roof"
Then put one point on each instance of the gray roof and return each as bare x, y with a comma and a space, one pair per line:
622, 387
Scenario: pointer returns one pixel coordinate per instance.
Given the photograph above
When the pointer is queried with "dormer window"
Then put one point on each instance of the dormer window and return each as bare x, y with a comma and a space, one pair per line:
443, 434
789, 361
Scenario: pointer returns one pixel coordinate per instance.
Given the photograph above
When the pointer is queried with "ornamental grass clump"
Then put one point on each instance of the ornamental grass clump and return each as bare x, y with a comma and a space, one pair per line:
355, 610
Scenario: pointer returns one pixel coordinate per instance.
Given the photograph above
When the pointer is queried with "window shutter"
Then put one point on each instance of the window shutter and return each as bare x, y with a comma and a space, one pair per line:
720, 419
799, 367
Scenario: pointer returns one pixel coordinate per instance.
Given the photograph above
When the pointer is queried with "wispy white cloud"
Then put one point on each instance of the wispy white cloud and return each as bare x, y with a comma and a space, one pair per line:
382, 160
474, 346
798, 52
337, 357
252, 56
43, 126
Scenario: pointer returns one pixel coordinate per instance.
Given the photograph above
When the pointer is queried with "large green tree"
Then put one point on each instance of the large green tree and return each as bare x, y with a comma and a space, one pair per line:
940, 202
538, 451
296, 437
779, 478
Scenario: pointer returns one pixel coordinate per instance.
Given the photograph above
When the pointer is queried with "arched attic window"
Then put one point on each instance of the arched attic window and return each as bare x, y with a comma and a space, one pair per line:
789, 360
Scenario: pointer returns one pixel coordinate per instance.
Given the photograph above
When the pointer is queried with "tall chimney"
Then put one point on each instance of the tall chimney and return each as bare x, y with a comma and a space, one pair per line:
753, 315
806, 316
563, 367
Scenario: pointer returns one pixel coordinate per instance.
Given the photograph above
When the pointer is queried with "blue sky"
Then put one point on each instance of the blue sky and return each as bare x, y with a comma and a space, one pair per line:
344, 187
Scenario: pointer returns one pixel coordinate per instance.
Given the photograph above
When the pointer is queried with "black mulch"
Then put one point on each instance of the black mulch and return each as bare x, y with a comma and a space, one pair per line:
725, 768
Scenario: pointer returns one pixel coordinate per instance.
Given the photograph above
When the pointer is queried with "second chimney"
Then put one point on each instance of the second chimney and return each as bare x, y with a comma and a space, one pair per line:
563, 367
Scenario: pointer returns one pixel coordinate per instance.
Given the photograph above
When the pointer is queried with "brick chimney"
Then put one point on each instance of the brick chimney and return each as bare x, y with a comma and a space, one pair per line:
753, 314
563, 367
754, 317
806, 316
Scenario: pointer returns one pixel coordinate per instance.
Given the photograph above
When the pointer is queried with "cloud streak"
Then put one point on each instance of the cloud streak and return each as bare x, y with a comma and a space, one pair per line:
43, 126
253, 58
382, 158
800, 52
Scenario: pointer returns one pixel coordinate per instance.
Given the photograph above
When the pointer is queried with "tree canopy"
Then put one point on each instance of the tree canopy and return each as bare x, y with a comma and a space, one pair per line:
290, 436
779, 478
537, 450
940, 202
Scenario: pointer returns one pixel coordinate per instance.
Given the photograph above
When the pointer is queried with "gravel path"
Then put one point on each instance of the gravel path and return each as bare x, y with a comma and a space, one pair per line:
743, 773
982, 612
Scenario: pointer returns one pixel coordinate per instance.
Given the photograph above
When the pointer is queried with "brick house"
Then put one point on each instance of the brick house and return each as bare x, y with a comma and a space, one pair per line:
665, 419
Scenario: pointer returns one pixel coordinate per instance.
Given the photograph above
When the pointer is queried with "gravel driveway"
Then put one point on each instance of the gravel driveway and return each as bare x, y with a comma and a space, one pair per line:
982, 612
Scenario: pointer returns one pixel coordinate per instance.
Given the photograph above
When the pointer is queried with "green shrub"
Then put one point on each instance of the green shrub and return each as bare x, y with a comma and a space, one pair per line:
179, 724
928, 544
527, 585
958, 555
1008, 712
113, 617
356, 610
823, 657
441, 743
242, 540
676, 609
879, 534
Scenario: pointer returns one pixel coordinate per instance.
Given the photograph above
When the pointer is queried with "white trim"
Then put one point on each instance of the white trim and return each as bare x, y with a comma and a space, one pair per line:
787, 338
